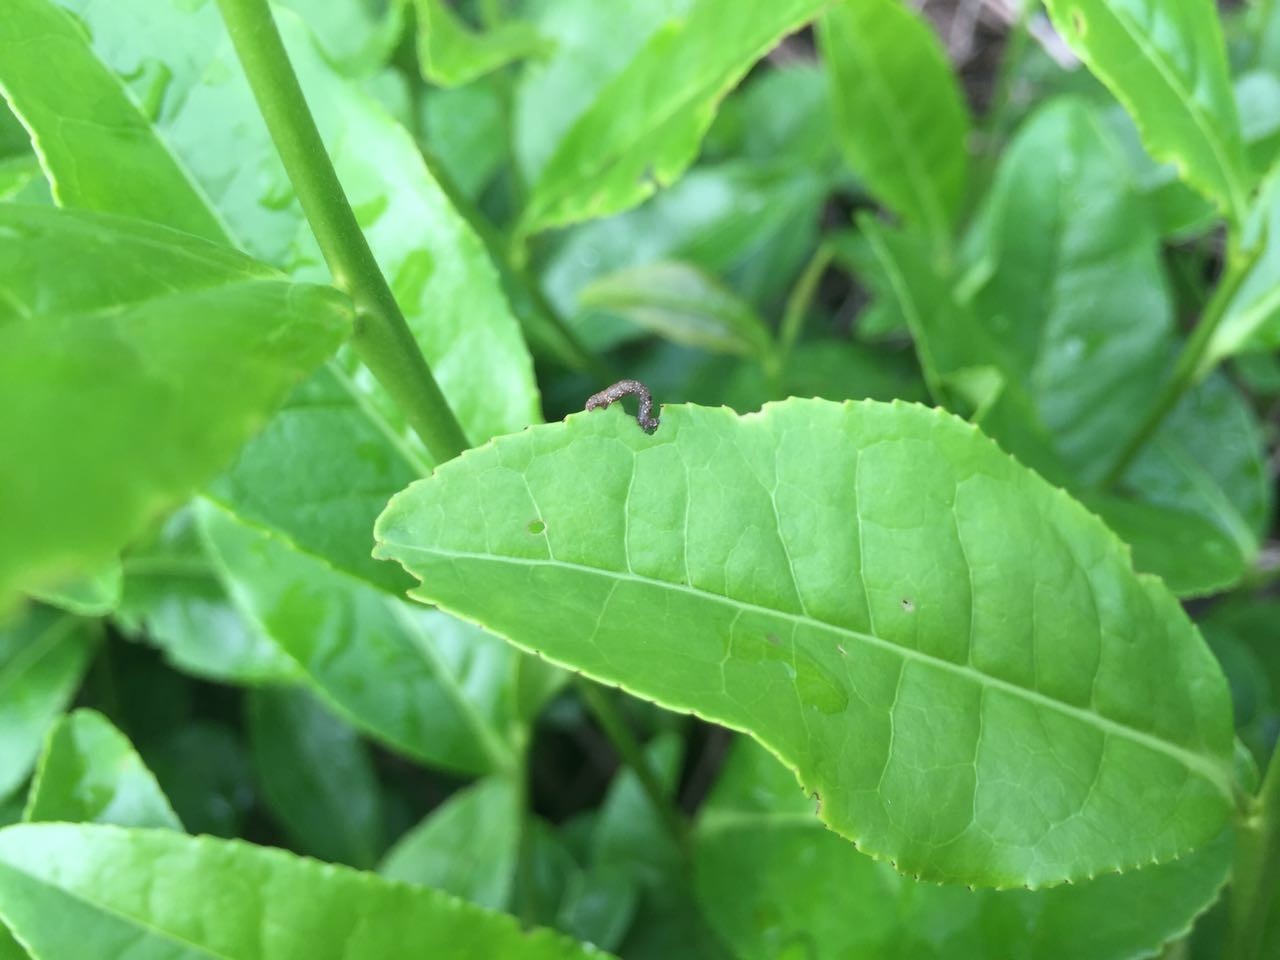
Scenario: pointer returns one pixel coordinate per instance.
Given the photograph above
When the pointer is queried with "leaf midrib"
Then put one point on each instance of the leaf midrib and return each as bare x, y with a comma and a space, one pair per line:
1206, 768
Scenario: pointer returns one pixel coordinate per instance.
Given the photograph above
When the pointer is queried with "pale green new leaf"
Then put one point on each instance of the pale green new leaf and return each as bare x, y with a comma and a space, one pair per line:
452, 54
957, 657
468, 846
164, 351
61, 893
424, 683
316, 775
643, 129
683, 304
1165, 60
771, 879
899, 111
90, 773
43, 657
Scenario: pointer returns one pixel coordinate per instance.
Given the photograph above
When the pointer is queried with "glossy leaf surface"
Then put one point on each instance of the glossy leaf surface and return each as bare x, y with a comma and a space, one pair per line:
43, 656
644, 127
935, 639
772, 880
899, 111
90, 773
166, 352
59, 890
1166, 62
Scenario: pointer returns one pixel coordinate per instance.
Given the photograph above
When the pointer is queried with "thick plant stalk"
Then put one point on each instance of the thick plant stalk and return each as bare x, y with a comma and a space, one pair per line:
382, 338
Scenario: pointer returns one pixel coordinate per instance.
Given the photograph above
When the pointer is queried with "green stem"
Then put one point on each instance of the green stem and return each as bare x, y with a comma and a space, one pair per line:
382, 338
1255, 880
1191, 365
628, 747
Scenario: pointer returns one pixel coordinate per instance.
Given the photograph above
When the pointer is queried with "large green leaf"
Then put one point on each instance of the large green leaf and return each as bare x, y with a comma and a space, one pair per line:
1074, 284
467, 846
195, 112
772, 880
316, 776
644, 127
417, 680
90, 773
899, 110
61, 891
1165, 61
43, 656
957, 657
166, 353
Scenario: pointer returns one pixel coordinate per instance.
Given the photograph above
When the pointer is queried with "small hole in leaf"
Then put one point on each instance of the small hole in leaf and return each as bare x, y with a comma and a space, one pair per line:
908, 606
536, 526
773, 639
843, 652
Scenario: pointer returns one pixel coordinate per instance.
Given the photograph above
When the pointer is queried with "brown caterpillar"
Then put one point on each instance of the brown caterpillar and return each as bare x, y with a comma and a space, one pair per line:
648, 422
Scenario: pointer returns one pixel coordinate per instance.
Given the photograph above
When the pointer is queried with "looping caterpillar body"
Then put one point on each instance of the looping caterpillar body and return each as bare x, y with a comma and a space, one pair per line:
648, 422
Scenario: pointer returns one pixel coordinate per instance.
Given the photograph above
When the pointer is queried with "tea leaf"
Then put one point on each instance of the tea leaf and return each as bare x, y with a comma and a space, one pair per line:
899, 111
316, 776
43, 657
769, 875
90, 773
1166, 62
644, 127
957, 657
166, 354
467, 846
60, 892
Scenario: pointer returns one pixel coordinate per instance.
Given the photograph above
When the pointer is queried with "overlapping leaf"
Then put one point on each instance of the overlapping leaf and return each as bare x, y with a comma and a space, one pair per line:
90, 773
316, 776
60, 892
899, 110
420, 681
43, 657
643, 129
1166, 62
771, 879
138, 377
955, 656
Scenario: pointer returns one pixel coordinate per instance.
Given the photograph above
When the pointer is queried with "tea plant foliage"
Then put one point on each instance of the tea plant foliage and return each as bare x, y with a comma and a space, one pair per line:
766, 572
289, 551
